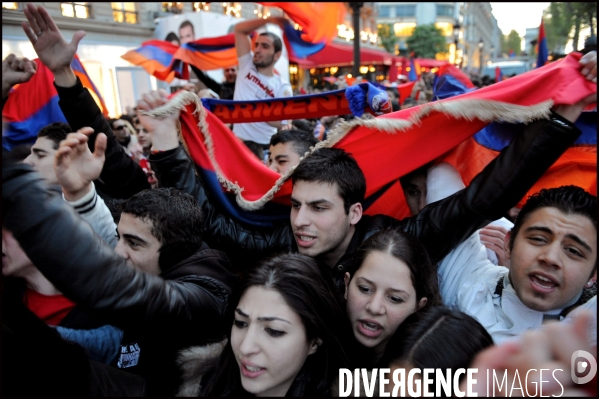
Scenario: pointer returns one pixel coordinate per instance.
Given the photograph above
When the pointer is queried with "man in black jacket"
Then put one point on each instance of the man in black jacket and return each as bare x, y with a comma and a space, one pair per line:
326, 219
224, 90
167, 290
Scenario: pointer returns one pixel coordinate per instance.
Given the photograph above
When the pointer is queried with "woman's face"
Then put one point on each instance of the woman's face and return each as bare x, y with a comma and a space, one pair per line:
379, 298
269, 342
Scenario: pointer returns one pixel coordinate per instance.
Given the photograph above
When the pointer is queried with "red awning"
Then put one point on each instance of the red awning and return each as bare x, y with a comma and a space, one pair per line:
430, 63
340, 54
302, 62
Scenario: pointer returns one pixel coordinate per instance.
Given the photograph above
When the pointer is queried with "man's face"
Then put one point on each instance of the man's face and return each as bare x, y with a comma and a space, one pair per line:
42, 159
137, 244
415, 192
264, 52
186, 34
320, 225
552, 258
15, 263
282, 157
120, 130
230, 74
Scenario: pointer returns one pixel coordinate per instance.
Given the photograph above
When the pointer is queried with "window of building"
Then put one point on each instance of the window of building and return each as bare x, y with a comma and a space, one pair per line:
445, 27
75, 10
132, 83
10, 6
124, 12
261, 11
384, 11
403, 29
444, 10
174, 8
233, 9
201, 6
405, 10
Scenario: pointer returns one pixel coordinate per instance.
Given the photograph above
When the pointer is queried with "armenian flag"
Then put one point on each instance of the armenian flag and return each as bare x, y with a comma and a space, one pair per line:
81, 73
34, 104
394, 144
498, 74
542, 52
414, 70
318, 21
156, 57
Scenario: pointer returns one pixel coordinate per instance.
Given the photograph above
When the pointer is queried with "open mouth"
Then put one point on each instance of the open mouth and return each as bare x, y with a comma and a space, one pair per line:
304, 241
251, 371
370, 328
542, 283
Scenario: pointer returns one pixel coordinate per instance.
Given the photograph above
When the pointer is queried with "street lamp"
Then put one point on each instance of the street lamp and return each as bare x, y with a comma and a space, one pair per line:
481, 44
456, 37
356, 6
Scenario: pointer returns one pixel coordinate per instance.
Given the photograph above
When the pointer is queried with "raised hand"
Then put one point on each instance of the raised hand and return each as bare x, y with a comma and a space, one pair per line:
16, 70
52, 49
550, 348
588, 69
493, 237
75, 166
280, 21
589, 66
162, 130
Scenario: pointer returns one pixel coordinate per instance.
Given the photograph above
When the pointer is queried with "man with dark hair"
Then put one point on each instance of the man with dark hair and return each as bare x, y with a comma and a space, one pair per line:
225, 90
186, 32
414, 188
44, 148
256, 77
153, 241
553, 267
286, 148
163, 286
326, 219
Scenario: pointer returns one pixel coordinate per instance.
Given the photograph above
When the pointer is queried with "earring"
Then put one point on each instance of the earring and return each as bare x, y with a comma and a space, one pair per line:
590, 283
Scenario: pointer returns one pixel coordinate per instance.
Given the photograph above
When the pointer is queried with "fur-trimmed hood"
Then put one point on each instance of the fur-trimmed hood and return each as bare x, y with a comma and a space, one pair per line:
190, 361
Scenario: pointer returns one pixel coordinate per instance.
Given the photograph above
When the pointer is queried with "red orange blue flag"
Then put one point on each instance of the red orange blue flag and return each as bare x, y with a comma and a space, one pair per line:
391, 145
33, 105
156, 57
318, 21
498, 74
542, 52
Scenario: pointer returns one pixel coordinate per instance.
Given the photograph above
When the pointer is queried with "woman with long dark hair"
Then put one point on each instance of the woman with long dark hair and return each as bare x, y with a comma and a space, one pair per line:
441, 339
287, 328
391, 281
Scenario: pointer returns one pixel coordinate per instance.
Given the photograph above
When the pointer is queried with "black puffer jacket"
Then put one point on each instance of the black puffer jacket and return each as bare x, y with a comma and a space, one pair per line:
182, 307
440, 226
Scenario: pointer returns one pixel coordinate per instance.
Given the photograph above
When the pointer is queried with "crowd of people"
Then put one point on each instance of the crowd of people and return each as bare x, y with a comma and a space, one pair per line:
122, 276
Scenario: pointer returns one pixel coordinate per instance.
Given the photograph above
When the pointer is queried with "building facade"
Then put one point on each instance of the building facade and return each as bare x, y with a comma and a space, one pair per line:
112, 29
481, 35
464, 25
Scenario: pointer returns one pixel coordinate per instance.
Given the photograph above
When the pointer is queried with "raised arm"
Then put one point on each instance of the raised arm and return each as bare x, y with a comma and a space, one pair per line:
122, 176
15, 70
70, 255
207, 80
174, 168
76, 168
245, 28
442, 225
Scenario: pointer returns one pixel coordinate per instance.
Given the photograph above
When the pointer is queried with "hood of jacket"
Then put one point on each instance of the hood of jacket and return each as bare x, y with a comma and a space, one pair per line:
206, 263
